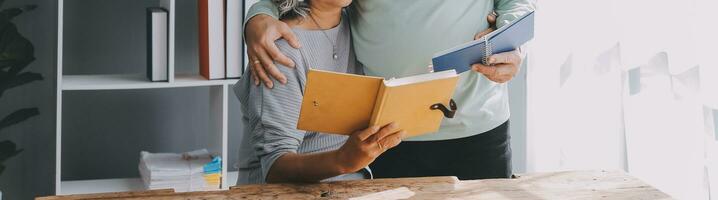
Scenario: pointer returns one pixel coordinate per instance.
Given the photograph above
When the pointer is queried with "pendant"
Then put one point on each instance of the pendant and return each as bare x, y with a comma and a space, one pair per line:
335, 56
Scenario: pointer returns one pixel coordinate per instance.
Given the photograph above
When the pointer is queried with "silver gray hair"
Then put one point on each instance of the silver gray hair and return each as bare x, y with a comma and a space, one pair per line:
292, 8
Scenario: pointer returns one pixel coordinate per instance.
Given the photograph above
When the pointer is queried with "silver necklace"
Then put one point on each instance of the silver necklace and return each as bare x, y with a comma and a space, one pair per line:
334, 46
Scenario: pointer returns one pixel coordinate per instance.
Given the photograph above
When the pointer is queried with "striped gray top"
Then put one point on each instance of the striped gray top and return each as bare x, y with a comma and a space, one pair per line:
270, 115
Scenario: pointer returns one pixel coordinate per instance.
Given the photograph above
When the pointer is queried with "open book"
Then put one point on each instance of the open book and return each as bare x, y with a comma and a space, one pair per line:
344, 103
507, 38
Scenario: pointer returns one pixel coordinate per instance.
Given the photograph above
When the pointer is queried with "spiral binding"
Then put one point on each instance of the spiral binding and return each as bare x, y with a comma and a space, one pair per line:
488, 50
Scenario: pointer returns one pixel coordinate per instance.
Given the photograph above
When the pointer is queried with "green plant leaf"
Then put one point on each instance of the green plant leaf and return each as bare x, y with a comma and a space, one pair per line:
29, 7
6, 63
21, 79
7, 15
11, 13
19, 65
8, 149
6, 20
12, 68
16, 53
18, 116
14, 46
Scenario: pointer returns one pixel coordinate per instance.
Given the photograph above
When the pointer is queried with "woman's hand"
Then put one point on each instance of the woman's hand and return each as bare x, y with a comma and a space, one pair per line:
502, 66
359, 151
261, 32
364, 146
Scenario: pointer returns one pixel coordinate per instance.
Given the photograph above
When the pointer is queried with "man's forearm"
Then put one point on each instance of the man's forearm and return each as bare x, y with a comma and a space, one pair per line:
265, 7
292, 167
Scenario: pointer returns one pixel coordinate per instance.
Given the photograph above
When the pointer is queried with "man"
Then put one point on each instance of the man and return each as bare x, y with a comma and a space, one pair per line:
397, 38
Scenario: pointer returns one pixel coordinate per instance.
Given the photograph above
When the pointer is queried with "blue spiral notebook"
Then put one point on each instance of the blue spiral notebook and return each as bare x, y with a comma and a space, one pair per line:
507, 38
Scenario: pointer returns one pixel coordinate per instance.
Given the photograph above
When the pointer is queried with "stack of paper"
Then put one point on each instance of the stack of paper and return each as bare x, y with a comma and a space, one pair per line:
213, 172
191, 171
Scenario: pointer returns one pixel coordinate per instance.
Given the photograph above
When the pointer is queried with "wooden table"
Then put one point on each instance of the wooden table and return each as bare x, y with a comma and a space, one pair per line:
553, 185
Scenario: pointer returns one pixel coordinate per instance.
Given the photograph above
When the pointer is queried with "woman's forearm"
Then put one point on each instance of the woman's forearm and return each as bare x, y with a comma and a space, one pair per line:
292, 167
360, 149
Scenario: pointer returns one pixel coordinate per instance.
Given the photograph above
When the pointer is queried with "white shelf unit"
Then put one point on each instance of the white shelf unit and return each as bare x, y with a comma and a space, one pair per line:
219, 90
135, 81
114, 185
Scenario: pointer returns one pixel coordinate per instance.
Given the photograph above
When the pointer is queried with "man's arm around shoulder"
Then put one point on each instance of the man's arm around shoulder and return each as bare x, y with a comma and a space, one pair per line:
261, 30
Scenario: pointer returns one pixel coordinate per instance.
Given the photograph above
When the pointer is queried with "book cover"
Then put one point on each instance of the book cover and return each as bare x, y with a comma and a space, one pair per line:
211, 38
342, 103
157, 44
408, 101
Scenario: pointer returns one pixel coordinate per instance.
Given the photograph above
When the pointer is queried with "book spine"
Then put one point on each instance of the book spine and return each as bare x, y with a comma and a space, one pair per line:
211, 38
203, 21
149, 44
162, 47
488, 50
379, 106
233, 37
157, 44
166, 45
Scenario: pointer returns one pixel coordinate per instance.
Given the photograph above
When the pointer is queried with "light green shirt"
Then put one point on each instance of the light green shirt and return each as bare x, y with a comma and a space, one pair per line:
398, 38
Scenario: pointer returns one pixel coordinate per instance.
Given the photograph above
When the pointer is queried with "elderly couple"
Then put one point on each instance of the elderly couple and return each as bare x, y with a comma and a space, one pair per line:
394, 38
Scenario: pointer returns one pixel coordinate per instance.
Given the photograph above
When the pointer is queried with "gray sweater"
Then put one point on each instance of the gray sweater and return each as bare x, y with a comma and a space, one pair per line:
270, 115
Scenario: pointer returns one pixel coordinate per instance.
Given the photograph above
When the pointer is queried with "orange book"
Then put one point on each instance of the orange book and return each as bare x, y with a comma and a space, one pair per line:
342, 103
211, 38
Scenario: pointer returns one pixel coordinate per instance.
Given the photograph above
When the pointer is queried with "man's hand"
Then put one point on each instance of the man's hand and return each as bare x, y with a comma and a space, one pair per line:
261, 32
502, 66
364, 146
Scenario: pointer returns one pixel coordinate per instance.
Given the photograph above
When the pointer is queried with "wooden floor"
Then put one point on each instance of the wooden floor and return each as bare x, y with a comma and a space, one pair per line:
554, 185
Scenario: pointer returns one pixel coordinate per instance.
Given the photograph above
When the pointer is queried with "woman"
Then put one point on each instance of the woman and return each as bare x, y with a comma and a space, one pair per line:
272, 149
